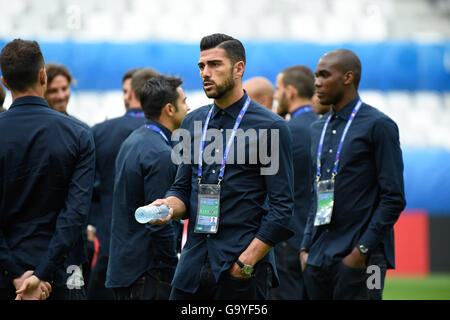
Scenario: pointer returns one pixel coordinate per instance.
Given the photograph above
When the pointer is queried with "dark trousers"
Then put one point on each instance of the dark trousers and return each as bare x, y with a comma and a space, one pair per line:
229, 287
97, 278
337, 282
290, 274
58, 293
341, 282
154, 284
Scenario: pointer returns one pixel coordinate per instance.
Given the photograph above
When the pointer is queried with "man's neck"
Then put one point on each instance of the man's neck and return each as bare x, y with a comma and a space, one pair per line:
230, 97
346, 99
166, 123
36, 92
134, 107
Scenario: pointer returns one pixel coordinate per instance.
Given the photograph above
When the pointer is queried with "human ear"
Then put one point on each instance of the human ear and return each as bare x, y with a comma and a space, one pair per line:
349, 78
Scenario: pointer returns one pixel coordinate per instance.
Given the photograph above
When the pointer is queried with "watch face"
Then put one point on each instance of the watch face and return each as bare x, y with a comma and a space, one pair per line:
248, 270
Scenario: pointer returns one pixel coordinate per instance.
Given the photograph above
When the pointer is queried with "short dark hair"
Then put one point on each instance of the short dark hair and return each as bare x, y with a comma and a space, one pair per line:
157, 93
140, 78
129, 74
53, 70
2, 95
301, 78
233, 47
20, 62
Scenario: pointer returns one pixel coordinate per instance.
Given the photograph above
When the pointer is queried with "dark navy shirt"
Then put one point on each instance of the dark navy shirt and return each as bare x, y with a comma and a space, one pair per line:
369, 190
108, 137
144, 173
243, 215
300, 127
46, 175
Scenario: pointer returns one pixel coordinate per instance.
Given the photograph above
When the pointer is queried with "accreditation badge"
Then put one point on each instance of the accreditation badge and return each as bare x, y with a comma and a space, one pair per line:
208, 208
325, 202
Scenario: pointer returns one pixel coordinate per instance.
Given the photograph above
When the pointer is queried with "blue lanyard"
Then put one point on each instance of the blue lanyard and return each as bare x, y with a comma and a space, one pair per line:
135, 114
230, 141
301, 111
158, 130
338, 153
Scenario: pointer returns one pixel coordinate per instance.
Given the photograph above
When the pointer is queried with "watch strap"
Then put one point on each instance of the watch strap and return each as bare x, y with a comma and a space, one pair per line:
240, 263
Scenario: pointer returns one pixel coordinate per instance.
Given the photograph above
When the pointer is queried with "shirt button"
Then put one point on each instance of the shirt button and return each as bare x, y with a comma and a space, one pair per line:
330, 151
208, 236
326, 230
328, 170
6, 273
214, 171
334, 131
223, 112
221, 130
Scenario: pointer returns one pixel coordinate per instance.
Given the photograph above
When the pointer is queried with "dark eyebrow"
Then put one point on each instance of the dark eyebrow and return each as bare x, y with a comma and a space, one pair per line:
210, 62
321, 72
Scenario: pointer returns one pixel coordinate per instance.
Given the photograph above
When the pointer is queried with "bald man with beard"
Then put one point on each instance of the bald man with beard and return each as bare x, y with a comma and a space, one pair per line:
358, 167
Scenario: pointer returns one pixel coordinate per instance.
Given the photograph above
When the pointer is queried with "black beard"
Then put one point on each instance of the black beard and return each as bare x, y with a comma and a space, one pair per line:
222, 89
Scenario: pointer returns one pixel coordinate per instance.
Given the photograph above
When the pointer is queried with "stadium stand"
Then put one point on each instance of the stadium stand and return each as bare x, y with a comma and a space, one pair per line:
404, 46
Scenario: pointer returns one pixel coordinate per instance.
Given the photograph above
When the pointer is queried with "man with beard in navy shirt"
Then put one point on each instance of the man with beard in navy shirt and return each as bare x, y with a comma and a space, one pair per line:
231, 232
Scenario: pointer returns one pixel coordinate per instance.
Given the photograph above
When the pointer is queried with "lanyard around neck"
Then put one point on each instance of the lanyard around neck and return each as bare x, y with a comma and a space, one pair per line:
230, 141
341, 142
158, 130
300, 111
135, 114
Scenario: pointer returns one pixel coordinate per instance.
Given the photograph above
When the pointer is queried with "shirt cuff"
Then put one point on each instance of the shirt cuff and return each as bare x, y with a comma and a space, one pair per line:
370, 240
306, 243
45, 272
183, 198
274, 233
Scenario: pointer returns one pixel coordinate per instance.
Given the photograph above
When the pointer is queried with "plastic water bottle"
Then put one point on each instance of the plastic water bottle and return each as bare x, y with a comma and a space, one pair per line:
146, 214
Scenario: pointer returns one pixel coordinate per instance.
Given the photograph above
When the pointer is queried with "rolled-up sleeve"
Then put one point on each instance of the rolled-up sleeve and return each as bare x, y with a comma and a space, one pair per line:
280, 187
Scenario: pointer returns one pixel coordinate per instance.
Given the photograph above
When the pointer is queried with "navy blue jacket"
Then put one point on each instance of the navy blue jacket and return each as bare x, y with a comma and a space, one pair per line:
300, 127
369, 190
108, 137
46, 175
243, 214
144, 173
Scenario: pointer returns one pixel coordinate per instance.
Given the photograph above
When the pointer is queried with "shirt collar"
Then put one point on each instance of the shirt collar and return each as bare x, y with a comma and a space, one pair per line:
135, 111
346, 111
295, 110
232, 110
166, 131
27, 100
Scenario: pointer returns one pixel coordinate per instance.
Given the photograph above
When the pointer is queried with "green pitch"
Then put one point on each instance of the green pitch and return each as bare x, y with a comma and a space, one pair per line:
436, 286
